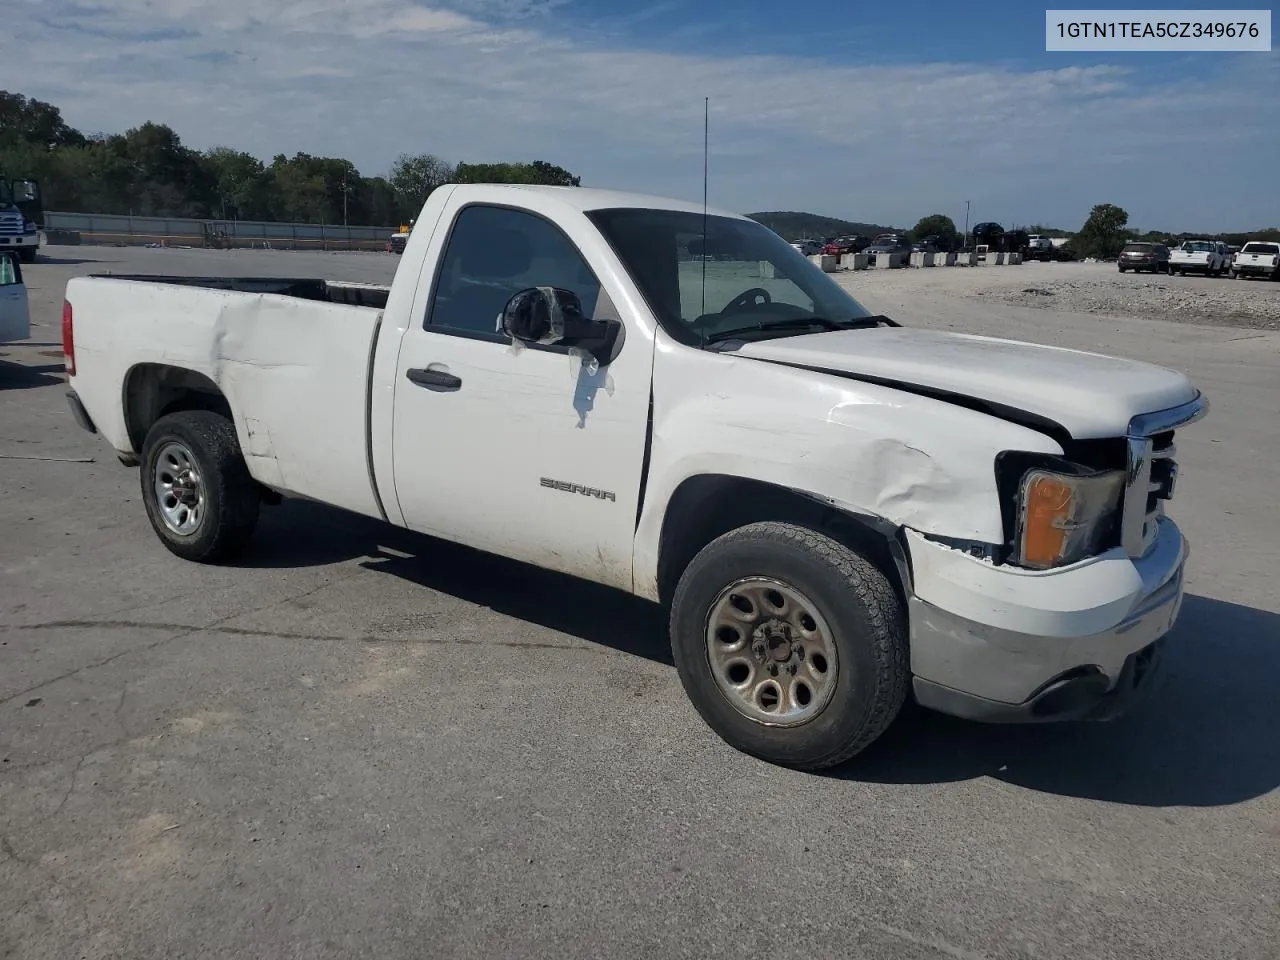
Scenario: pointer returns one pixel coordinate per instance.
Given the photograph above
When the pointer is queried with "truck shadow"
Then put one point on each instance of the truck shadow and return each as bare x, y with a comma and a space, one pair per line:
1209, 734
301, 534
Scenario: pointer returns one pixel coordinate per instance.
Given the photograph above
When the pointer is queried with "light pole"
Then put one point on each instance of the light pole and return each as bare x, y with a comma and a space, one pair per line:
966, 224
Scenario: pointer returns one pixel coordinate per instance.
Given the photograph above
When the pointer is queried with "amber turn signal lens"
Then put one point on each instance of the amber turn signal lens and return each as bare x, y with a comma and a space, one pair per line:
1047, 525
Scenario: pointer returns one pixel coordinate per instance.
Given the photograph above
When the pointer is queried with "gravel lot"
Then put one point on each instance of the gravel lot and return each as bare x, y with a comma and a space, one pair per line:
365, 743
1093, 288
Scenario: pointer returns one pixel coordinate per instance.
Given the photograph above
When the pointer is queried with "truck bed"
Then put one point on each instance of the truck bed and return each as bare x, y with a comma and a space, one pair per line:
300, 288
291, 356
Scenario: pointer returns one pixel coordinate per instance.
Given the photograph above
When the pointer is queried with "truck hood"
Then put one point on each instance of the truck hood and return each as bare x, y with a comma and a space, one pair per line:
1088, 395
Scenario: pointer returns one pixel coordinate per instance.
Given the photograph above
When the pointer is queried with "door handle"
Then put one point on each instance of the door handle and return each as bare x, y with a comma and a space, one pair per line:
437, 380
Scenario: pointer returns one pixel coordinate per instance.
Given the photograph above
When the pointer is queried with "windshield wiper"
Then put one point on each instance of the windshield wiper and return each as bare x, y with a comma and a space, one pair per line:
800, 323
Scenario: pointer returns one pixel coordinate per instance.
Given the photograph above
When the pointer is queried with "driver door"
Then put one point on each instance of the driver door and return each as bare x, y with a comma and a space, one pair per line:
520, 450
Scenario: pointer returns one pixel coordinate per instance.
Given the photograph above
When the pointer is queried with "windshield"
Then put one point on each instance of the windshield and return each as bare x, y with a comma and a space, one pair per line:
1272, 248
753, 278
1198, 247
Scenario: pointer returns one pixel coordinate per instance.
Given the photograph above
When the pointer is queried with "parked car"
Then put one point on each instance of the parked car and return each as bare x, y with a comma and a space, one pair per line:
1257, 258
1209, 257
838, 512
1143, 256
1039, 247
841, 246
15, 315
808, 248
896, 245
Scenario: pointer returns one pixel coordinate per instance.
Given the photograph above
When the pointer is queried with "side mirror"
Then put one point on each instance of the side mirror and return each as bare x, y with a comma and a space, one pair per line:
552, 316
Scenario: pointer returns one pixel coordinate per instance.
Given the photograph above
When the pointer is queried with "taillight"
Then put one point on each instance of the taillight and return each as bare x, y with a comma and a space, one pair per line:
68, 339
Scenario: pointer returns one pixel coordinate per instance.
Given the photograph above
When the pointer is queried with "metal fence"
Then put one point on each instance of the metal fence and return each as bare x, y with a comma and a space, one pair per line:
93, 228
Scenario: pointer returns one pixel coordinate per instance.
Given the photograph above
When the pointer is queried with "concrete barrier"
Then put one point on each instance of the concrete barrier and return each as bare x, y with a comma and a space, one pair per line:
1013, 259
944, 259
922, 259
887, 261
855, 261
966, 259
992, 259
767, 271
830, 264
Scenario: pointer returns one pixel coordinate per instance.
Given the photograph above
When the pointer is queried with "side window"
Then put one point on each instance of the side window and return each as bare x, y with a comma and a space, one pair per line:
493, 253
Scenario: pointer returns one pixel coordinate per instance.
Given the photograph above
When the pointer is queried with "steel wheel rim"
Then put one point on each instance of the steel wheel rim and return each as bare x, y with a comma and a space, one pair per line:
771, 652
179, 489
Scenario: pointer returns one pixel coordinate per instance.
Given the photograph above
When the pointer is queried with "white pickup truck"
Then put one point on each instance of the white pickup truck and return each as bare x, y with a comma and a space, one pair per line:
1210, 257
839, 512
1257, 258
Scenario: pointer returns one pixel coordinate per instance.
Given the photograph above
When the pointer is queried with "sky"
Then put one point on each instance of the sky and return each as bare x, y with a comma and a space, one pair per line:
879, 112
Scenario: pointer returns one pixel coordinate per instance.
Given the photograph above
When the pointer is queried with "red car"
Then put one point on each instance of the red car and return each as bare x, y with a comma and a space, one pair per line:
841, 246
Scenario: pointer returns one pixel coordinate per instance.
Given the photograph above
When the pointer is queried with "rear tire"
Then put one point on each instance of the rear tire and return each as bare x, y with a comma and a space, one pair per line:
841, 683
200, 498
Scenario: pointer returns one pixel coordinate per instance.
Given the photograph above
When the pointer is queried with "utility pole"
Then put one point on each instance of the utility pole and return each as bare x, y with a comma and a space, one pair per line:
344, 196
966, 225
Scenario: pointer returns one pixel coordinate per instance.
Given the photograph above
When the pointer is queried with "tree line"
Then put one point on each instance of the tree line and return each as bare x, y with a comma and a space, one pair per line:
148, 171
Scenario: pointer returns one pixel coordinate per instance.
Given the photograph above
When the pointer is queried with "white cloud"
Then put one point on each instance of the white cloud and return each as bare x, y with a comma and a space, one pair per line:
368, 79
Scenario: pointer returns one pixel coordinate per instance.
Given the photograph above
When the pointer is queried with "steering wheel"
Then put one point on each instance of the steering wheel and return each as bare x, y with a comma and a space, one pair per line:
749, 299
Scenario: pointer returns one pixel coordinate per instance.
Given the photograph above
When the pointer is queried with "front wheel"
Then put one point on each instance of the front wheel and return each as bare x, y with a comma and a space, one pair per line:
27, 254
201, 500
792, 647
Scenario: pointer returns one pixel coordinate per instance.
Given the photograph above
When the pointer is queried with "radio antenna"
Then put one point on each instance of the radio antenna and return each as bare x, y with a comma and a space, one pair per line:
706, 127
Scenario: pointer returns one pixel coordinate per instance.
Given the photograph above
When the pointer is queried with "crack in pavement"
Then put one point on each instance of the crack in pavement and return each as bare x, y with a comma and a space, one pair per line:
280, 635
70, 787
185, 629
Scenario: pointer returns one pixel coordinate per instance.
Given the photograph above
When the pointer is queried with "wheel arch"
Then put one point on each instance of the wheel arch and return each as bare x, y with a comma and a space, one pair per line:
706, 506
152, 390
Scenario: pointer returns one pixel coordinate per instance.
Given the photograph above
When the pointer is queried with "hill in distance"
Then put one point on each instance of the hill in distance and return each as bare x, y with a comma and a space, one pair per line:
792, 225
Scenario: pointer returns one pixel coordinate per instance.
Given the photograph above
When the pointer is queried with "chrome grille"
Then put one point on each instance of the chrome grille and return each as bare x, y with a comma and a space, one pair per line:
1151, 472
10, 226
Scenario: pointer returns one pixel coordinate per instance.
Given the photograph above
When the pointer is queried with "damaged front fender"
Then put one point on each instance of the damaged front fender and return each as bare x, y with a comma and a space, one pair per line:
871, 450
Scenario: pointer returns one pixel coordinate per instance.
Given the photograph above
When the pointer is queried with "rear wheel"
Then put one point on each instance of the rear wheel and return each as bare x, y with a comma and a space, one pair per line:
792, 647
200, 498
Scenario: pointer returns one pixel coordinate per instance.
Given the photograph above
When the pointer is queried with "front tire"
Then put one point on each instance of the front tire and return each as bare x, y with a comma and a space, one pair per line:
791, 647
27, 254
201, 500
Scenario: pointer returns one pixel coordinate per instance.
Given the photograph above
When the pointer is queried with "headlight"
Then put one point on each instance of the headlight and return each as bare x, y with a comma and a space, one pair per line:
1064, 518
28, 226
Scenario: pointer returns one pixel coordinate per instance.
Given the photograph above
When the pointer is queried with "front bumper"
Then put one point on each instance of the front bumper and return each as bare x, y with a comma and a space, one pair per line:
999, 644
18, 241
